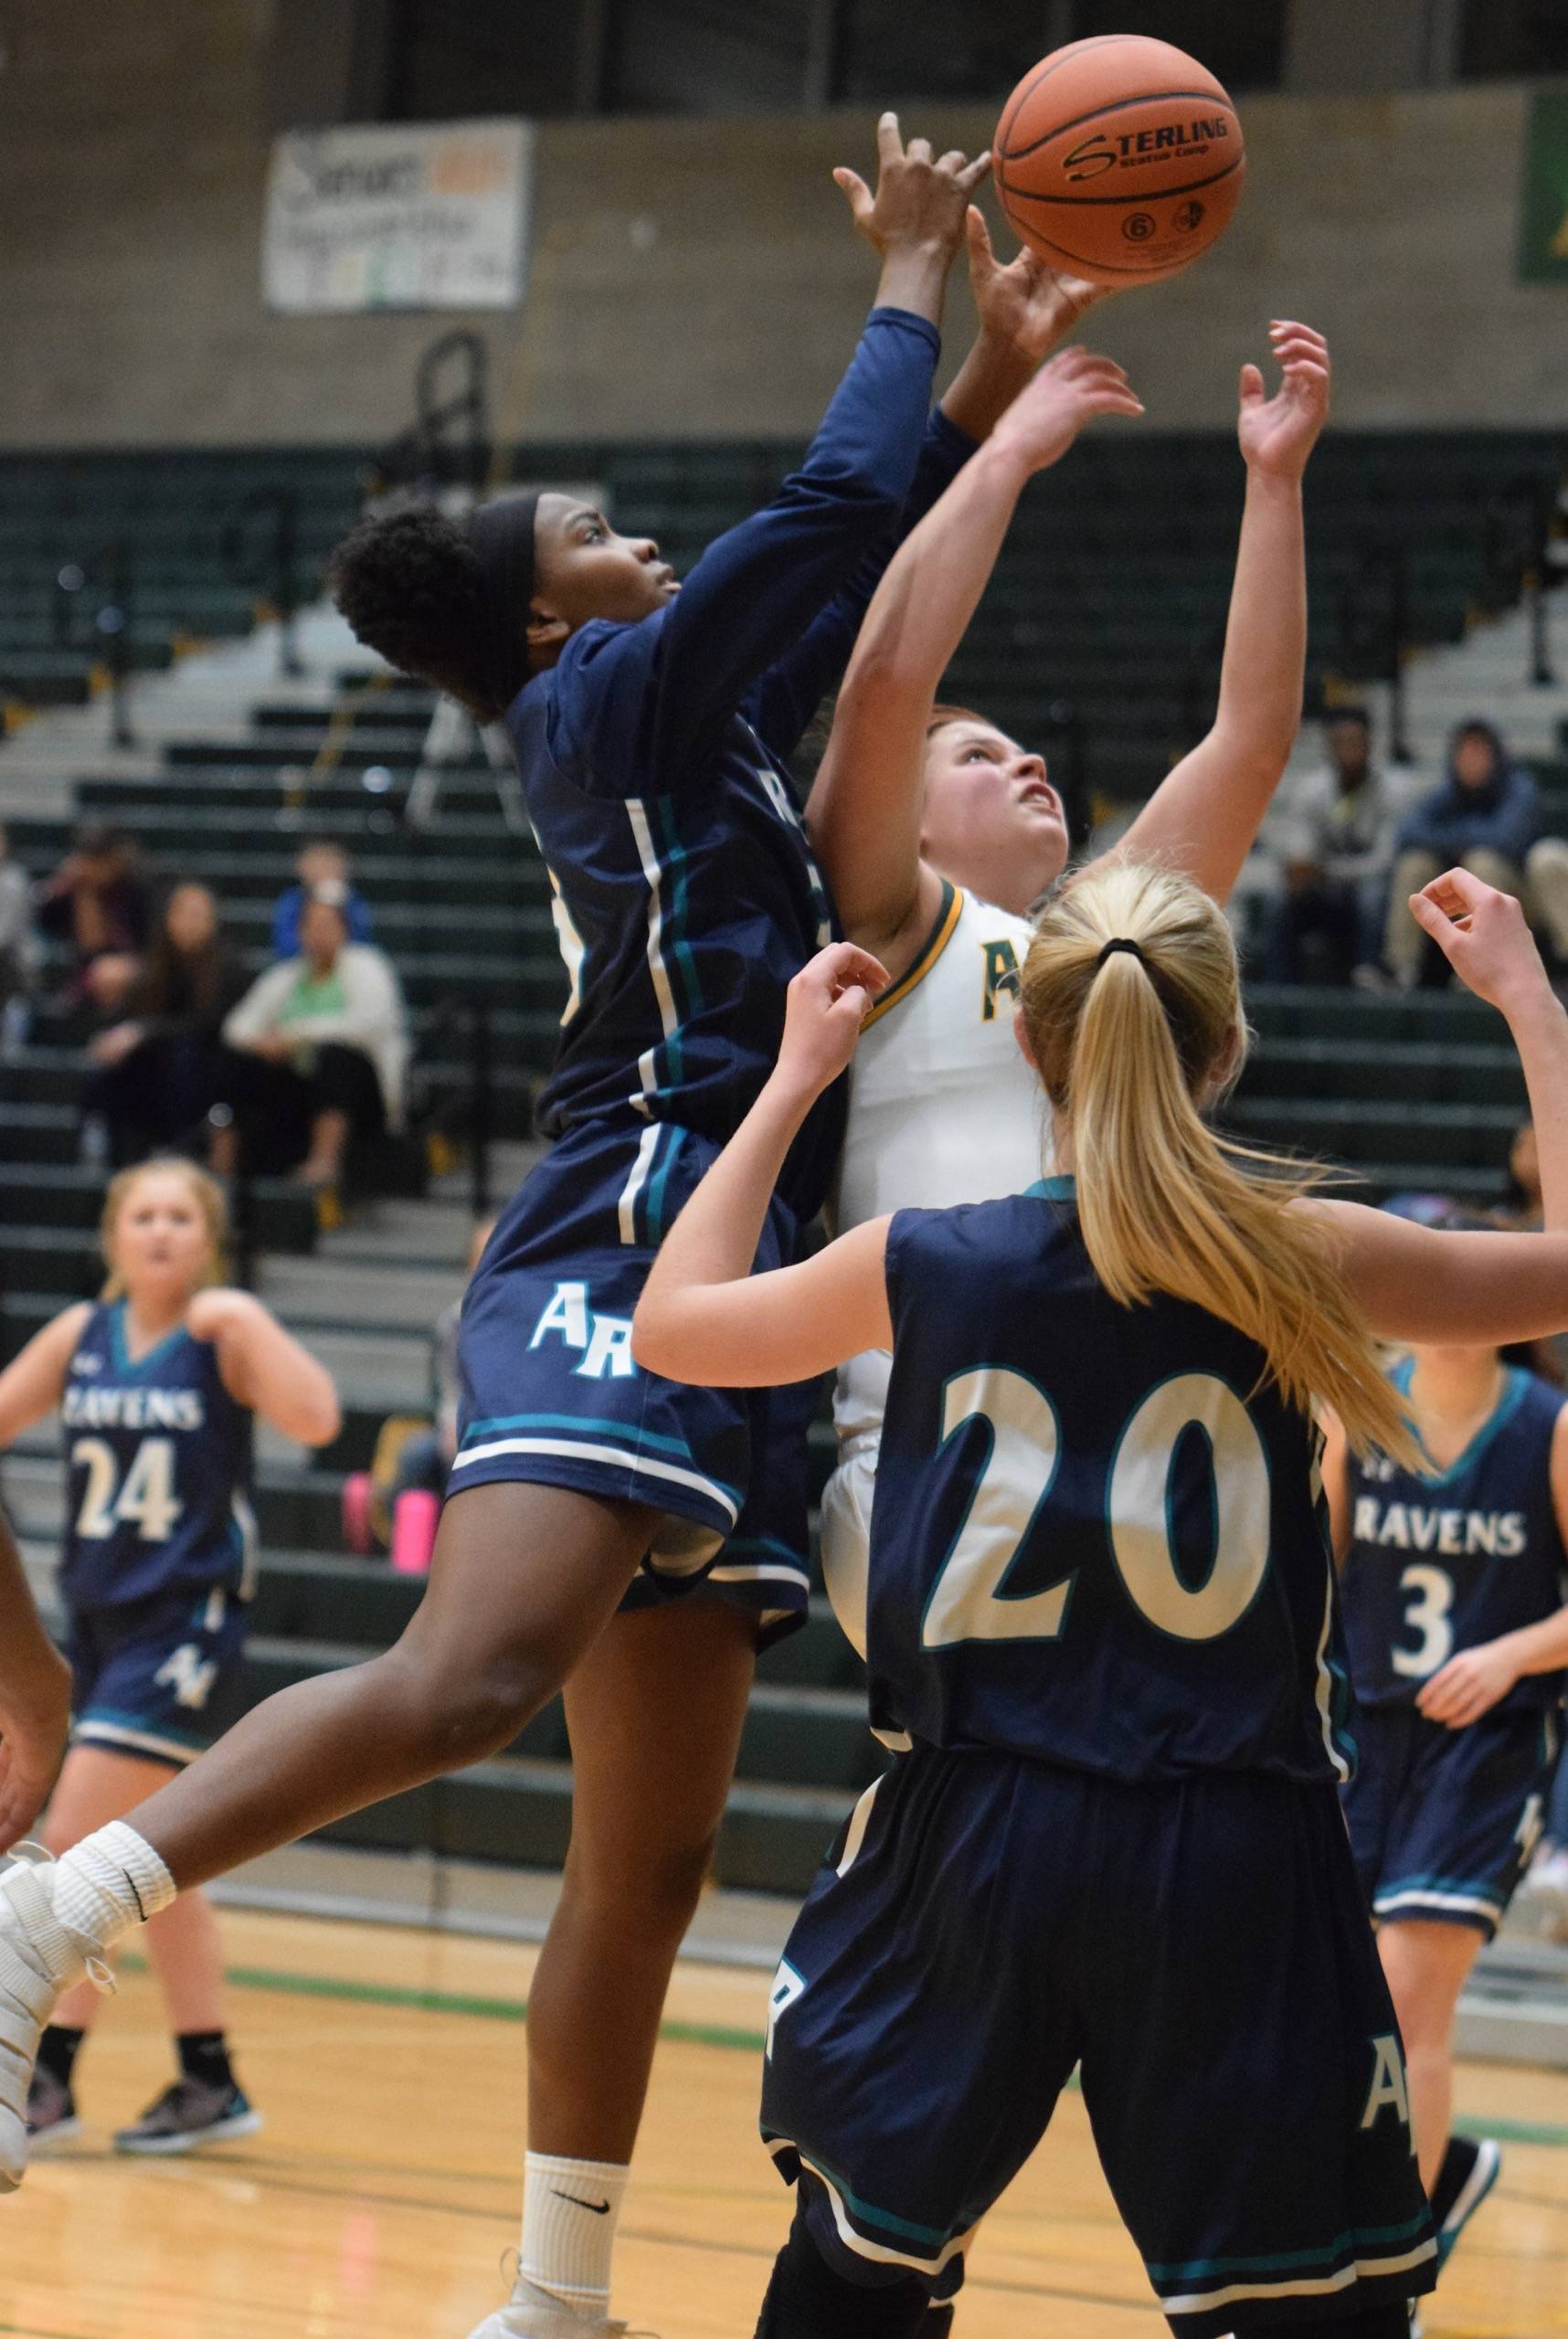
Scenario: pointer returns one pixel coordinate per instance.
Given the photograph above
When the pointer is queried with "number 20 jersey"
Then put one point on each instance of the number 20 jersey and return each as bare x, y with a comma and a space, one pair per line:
158, 1458
1443, 1562
1097, 1538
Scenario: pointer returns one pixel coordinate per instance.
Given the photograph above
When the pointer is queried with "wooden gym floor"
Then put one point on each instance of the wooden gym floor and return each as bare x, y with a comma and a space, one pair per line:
383, 2193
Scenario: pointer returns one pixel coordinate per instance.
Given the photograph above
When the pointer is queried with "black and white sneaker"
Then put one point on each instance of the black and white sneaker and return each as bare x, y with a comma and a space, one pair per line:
1470, 2171
51, 2113
186, 2116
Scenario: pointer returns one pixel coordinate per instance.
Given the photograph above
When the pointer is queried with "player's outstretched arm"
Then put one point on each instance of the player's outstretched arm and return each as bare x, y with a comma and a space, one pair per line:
1025, 310
264, 1367
33, 1382
865, 808
1204, 816
704, 1316
1416, 1282
35, 1700
665, 690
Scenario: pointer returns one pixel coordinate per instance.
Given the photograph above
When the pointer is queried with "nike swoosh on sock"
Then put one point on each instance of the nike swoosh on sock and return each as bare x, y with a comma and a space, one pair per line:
599, 2208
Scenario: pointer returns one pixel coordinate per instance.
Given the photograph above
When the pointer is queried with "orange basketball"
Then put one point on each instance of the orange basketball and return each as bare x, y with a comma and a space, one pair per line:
1120, 159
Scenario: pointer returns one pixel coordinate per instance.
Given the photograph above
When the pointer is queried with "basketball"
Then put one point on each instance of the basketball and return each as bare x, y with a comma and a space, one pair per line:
1120, 159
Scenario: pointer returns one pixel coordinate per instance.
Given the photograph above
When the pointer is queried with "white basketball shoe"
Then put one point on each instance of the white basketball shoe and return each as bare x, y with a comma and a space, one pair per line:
532, 2313
38, 1958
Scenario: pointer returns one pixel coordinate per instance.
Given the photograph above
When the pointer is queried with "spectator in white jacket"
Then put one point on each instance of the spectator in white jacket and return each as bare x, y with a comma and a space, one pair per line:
19, 946
331, 1024
1332, 833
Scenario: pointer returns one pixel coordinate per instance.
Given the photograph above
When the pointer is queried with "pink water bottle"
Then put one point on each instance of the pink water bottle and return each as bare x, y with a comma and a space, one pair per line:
414, 1517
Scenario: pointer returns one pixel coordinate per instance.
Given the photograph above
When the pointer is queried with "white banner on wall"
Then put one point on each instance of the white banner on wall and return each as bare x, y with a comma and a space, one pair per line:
398, 215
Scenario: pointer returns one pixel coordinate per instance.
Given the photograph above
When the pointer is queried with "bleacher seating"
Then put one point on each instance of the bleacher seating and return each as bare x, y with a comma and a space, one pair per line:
1114, 582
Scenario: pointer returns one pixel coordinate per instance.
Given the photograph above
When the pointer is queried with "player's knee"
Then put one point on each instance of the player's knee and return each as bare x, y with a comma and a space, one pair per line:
462, 1712
809, 2299
662, 1877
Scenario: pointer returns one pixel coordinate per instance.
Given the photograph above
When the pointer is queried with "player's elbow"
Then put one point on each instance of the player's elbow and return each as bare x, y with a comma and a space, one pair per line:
656, 1344
318, 1417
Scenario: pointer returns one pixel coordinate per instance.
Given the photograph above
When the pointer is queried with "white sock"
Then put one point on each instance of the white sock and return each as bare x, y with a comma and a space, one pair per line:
570, 2211
108, 1884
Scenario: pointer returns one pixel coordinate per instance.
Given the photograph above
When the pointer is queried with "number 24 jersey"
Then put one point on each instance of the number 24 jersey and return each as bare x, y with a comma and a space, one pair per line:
157, 1469
1441, 1563
1098, 1536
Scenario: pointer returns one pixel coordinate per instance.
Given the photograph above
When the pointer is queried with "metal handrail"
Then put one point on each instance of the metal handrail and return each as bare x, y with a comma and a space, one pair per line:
420, 451
112, 566
469, 1112
1374, 629
274, 566
1518, 526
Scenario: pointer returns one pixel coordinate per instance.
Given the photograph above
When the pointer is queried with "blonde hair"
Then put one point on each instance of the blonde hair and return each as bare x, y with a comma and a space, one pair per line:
1127, 1043
207, 1193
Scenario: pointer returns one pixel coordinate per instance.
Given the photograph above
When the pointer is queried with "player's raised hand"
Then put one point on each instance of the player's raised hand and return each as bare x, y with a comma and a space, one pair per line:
822, 1014
1048, 414
1469, 1685
920, 200
1483, 934
1024, 306
1279, 433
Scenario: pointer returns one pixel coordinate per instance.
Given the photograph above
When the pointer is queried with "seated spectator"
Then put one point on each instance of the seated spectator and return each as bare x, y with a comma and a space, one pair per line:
1333, 830
320, 862
19, 951
162, 1069
330, 1028
1485, 817
97, 902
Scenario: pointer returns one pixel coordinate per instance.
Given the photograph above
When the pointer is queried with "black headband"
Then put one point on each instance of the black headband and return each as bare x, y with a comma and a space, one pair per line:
501, 533
1123, 942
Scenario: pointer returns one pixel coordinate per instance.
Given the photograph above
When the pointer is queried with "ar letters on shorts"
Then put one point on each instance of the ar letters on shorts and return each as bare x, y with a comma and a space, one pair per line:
605, 1341
1388, 2090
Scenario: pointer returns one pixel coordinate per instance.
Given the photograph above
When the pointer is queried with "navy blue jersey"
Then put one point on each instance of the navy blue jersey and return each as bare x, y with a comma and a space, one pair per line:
157, 1470
651, 757
1442, 1563
1097, 1539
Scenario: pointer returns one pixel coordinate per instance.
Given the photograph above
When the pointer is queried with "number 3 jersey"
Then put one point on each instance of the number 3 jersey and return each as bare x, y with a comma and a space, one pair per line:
1097, 1538
157, 1470
1443, 1562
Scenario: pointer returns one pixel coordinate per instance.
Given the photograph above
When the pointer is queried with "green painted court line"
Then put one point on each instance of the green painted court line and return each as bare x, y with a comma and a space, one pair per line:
1513, 2131
389, 1993
683, 2034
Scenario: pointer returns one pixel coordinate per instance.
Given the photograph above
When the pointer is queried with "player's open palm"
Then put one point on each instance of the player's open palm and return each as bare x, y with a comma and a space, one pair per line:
1279, 433
1483, 934
823, 1010
1026, 305
920, 198
1046, 417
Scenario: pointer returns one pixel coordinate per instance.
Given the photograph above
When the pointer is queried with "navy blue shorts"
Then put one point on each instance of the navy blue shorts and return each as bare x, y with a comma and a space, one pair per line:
156, 1677
1443, 1822
1200, 1950
551, 1393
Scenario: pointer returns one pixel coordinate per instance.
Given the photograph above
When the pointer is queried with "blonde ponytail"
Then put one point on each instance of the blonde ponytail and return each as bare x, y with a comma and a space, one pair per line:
1127, 1040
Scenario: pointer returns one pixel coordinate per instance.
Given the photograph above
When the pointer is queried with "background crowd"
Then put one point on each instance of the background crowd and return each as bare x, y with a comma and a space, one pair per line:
299, 1070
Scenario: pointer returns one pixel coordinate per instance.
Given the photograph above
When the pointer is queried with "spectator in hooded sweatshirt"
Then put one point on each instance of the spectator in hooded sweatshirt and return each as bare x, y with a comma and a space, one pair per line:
1485, 816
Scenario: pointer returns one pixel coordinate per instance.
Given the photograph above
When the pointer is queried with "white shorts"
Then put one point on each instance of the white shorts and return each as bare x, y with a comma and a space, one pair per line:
846, 1536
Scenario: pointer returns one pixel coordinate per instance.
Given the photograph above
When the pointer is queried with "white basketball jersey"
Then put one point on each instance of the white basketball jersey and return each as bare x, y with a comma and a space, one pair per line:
943, 1108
